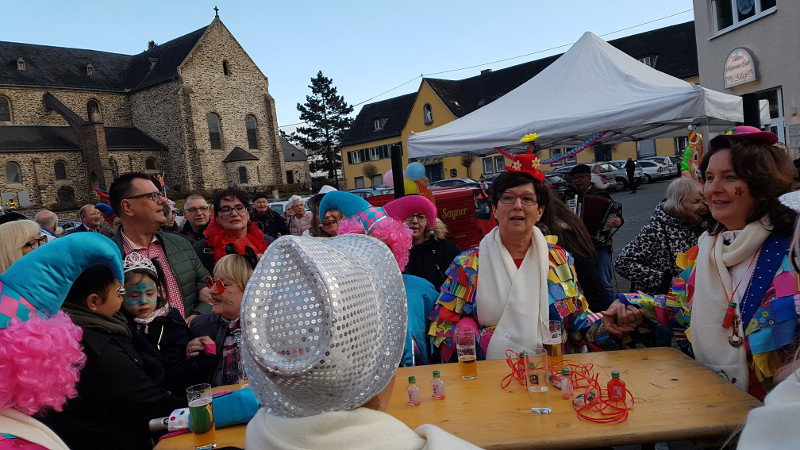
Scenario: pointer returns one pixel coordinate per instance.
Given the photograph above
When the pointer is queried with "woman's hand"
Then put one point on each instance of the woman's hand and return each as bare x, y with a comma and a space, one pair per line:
619, 318
197, 345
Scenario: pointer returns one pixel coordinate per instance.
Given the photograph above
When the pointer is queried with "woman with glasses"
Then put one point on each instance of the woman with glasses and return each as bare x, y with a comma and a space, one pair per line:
17, 239
519, 282
230, 231
222, 324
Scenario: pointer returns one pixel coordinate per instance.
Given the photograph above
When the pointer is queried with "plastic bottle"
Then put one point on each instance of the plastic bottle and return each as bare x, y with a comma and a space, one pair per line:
566, 384
616, 387
438, 386
413, 392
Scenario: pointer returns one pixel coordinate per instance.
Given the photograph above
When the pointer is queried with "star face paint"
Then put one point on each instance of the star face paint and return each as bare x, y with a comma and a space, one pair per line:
141, 293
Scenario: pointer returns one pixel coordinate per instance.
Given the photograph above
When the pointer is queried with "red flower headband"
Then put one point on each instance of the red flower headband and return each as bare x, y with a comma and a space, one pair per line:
526, 162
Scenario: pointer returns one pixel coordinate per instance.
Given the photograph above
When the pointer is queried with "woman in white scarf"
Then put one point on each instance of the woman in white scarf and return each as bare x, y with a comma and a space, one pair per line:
736, 297
522, 280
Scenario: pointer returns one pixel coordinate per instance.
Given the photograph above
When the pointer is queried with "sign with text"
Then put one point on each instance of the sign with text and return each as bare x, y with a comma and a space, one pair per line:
740, 68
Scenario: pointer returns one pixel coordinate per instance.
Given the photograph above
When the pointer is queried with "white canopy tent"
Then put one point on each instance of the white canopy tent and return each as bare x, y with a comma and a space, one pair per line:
592, 87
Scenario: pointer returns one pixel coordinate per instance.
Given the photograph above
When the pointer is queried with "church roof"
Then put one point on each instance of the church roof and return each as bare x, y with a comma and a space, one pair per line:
292, 153
61, 67
239, 154
395, 110
35, 138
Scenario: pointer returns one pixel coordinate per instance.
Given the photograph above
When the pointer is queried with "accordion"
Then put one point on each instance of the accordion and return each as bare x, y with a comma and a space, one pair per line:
596, 210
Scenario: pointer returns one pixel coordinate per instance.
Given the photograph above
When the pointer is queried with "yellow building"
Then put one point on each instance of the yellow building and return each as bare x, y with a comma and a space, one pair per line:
378, 126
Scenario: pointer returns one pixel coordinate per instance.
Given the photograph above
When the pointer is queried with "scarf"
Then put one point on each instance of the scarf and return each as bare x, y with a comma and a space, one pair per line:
163, 311
230, 353
218, 239
359, 428
25, 427
516, 300
86, 318
709, 339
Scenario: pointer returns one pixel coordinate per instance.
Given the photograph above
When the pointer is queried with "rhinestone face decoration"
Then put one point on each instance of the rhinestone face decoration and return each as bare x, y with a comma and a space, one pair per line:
324, 324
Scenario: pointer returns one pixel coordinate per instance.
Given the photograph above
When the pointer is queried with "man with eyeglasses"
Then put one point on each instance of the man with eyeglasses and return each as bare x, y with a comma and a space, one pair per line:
139, 204
91, 218
196, 215
267, 220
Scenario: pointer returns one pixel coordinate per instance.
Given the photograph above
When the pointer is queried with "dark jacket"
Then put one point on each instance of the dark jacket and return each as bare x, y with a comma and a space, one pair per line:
115, 401
430, 260
186, 267
82, 228
630, 168
216, 328
187, 230
271, 224
162, 346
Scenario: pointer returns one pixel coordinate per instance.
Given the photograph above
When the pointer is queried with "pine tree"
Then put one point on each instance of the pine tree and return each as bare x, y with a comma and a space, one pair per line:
326, 115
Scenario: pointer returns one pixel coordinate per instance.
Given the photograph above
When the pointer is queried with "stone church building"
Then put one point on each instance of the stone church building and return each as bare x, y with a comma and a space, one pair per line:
196, 109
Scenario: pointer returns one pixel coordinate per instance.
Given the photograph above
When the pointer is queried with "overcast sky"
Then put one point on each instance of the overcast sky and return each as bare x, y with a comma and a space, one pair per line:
372, 50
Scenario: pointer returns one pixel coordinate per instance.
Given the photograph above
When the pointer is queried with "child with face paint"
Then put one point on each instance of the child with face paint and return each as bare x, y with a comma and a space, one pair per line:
158, 332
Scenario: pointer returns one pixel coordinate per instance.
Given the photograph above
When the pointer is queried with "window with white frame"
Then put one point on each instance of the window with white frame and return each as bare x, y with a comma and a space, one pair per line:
572, 159
380, 123
729, 14
499, 164
488, 165
556, 153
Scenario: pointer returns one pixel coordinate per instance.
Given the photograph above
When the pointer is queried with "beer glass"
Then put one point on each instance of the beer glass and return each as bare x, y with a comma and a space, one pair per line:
552, 340
537, 380
467, 358
201, 416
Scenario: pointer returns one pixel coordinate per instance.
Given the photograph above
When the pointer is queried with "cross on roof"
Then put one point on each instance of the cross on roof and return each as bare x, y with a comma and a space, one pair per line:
216, 11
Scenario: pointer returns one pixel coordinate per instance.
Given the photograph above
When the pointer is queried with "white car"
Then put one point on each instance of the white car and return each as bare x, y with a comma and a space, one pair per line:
653, 170
673, 169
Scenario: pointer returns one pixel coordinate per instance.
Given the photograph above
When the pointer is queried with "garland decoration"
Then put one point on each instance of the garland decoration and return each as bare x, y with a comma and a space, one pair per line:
592, 140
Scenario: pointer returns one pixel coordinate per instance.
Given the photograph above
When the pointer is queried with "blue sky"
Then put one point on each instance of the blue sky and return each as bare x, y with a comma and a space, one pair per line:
366, 47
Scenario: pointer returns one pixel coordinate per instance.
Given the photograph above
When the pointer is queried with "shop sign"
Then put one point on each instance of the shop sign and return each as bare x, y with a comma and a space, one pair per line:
740, 68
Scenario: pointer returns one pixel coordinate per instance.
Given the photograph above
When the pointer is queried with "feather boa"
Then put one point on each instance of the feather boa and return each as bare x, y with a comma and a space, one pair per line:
217, 238
392, 232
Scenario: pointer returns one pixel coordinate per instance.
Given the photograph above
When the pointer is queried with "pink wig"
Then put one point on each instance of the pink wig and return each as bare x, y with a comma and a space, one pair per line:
40, 361
392, 232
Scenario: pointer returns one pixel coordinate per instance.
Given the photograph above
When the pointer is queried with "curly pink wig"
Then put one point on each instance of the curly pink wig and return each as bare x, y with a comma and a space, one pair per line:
392, 232
40, 361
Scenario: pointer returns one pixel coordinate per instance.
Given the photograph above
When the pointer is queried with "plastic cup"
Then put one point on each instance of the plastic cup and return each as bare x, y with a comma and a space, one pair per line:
537, 380
201, 416
467, 358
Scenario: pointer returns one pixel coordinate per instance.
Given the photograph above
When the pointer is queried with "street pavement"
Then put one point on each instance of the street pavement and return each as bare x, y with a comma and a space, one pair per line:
636, 210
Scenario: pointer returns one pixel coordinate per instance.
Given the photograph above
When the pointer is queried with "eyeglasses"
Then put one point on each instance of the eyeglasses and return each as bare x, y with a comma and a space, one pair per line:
154, 196
225, 210
197, 209
508, 198
36, 242
419, 217
220, 285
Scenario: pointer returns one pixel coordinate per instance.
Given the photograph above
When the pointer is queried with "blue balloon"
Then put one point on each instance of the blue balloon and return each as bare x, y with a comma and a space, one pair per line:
415, 171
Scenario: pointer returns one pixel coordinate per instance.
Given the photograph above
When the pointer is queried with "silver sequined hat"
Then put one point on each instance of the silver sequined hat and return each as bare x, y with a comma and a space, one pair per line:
791, 200
323, 324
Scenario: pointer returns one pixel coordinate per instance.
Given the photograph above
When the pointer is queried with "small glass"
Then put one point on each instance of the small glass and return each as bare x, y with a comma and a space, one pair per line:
201, 416
537, 380
552, 339
467, 358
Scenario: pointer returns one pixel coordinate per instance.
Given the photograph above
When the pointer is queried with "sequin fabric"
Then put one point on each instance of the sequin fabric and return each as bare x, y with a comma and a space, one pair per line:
324, 324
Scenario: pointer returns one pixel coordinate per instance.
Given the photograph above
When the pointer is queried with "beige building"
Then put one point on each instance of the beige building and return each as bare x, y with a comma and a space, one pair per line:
196, 109
752, 49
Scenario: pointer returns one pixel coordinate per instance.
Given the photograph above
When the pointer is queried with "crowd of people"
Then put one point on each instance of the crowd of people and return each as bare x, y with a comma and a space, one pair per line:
127, 321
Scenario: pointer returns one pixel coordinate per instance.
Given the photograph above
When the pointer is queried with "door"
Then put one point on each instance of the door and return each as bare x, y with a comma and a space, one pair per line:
434, 172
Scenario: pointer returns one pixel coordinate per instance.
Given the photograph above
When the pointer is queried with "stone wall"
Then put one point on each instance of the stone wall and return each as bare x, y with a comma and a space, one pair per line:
27, 107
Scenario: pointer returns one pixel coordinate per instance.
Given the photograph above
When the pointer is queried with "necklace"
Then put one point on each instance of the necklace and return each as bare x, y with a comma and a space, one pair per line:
731, 319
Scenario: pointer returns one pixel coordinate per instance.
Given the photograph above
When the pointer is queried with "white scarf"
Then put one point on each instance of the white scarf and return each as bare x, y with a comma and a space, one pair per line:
709, 339
25, 427
516, 300
355, 429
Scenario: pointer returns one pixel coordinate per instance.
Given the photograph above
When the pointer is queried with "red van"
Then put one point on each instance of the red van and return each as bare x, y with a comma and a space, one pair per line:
465, 211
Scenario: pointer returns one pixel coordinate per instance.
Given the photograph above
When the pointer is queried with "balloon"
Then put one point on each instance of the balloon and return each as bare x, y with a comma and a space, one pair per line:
410, 186
388, 179
415, 171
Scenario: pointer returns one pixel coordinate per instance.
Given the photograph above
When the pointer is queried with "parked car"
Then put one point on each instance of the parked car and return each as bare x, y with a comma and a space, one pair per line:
372, 192
457, 182
607, 172
67, 225
673, 170
653, 170
279, 204
622, 174
557, 184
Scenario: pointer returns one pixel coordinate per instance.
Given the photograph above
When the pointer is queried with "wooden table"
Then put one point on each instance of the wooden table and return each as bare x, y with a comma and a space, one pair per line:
675, 399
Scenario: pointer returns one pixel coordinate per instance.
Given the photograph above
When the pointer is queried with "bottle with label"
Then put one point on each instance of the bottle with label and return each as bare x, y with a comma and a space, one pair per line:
616, 387
413, 392
438, 386
566, 384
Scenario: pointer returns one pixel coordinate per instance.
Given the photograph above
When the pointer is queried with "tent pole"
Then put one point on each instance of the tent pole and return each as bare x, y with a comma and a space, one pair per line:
397, 170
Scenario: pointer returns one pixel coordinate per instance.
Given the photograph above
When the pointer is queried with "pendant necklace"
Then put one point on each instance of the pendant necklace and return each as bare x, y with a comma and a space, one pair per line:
731, 319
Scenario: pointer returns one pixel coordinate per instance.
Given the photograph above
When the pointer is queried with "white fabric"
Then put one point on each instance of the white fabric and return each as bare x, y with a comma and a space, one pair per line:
25, 427
774, 425
598, 181
516, 300
590, 88
359, 428
709, 339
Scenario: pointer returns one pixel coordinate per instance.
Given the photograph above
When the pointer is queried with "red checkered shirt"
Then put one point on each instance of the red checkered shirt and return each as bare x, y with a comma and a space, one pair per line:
156, 251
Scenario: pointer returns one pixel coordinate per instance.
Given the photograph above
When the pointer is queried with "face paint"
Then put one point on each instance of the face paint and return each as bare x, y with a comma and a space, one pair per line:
140, 293
738, 191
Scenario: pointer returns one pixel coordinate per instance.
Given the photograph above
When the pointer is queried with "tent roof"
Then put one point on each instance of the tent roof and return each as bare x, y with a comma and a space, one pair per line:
592, 87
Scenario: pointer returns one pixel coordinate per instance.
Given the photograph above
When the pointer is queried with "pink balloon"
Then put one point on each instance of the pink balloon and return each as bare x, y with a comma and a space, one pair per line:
388, 179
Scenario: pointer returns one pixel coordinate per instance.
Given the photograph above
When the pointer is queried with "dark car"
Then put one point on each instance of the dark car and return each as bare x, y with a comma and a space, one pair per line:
457, 182
557, 184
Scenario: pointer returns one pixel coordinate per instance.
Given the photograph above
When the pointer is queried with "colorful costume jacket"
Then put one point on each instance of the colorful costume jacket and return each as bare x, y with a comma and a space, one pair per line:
771, 335
456, 303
